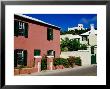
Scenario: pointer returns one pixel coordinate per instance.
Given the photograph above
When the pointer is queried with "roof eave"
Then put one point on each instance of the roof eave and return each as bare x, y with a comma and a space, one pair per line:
33, 21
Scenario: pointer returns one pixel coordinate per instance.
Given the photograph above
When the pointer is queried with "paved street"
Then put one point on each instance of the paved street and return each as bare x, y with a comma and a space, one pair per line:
76, 71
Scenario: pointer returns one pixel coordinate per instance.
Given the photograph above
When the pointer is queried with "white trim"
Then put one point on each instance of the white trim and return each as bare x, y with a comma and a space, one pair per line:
31, 18
50, 56
37, 56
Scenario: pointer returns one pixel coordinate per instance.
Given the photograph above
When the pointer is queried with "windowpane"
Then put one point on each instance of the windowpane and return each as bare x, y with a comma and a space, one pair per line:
50, 53
21, 25
20, 57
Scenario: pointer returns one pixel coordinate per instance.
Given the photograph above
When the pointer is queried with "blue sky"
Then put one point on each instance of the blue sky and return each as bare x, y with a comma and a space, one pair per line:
67, 20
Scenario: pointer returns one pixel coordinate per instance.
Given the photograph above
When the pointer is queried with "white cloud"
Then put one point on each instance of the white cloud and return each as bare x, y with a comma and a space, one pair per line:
84, 20
94, 18
87, 21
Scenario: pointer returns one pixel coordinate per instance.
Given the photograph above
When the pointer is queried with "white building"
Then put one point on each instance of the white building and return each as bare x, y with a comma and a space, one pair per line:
89, 37
79, 27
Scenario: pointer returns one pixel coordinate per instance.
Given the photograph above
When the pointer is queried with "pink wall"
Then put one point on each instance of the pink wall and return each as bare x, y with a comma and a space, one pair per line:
37, 39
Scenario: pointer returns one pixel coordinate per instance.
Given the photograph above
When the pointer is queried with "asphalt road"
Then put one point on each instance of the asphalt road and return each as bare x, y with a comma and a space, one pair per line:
77, 71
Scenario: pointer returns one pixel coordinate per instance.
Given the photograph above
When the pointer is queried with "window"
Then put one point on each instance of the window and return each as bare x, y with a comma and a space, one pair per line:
36, 52
20, 57
20, 28
50, 53
92, 49
49, 34
84, 38
21, 25
88, 41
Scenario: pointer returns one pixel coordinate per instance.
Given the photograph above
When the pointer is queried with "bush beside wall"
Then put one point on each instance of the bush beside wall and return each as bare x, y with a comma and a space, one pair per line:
69, 62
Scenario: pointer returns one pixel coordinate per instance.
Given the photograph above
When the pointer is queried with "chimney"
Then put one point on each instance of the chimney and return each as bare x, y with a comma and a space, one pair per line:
92, 26
92, 29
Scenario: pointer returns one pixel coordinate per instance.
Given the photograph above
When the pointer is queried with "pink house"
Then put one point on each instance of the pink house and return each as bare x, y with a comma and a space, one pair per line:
34, 38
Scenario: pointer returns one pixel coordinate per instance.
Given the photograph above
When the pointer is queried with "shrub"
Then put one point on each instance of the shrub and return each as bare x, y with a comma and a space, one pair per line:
65, 63
61, 61
20, 67
78, 61
44, 63
71, 61
83, 47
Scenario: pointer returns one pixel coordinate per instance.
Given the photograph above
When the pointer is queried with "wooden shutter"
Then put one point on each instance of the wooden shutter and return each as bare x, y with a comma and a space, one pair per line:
54, 53
15, 28
51, 34
25, 58
26, 30
48, 34
15, 58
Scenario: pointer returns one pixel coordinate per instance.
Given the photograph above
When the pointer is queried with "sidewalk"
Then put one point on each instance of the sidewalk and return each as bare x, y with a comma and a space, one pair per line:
46, 72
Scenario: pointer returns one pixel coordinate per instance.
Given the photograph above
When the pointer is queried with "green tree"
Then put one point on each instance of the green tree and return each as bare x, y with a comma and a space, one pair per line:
72, 45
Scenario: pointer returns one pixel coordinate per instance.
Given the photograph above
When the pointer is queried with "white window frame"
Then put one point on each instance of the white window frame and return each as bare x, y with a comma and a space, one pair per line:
21, 25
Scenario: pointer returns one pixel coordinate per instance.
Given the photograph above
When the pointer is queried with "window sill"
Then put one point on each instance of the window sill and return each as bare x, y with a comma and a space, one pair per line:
50, 56
37, 56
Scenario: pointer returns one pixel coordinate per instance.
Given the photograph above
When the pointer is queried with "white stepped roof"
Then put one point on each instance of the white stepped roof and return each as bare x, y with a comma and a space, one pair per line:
31, 18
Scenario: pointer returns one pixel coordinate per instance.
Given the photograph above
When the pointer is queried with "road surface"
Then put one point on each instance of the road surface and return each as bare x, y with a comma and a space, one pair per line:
77, 71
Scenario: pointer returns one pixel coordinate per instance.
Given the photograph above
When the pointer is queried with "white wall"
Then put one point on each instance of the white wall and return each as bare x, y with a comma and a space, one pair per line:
84, 42
92, 39
85, 56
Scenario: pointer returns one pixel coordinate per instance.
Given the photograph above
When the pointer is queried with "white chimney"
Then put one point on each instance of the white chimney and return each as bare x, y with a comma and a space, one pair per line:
92, 26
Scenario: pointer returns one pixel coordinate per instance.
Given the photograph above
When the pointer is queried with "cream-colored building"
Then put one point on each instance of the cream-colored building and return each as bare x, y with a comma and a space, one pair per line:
90, 37
79, 27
